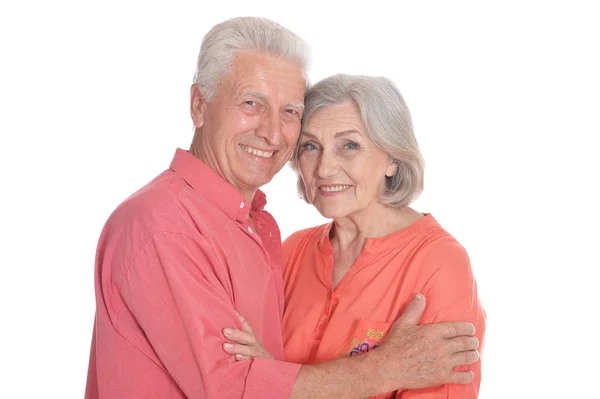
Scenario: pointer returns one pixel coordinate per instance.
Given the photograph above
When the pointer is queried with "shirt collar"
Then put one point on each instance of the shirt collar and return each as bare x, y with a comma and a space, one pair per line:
217, 190
391, 241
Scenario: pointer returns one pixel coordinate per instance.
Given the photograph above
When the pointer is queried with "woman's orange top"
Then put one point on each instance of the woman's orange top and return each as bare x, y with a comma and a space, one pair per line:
321, 323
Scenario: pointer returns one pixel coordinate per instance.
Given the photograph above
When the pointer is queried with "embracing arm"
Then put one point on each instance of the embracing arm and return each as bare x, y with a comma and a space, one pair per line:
451, 291
411, 357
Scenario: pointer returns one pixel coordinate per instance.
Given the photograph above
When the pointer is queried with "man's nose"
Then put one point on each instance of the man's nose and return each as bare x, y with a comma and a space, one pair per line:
270, 128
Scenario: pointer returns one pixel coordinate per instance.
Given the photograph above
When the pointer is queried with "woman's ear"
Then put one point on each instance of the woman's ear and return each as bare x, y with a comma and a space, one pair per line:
391, 169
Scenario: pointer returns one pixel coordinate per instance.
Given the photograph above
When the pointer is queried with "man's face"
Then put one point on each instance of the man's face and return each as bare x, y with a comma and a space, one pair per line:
249, 129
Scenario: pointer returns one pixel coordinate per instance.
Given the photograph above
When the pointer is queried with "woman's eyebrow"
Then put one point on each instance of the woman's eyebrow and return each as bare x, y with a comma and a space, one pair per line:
347, 132
305, 133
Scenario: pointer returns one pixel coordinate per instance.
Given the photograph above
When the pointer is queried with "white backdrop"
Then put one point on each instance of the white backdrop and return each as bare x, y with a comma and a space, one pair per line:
505, 98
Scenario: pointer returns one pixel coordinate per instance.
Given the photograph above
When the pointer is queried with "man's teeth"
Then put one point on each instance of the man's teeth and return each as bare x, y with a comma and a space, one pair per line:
335, 188
253, 151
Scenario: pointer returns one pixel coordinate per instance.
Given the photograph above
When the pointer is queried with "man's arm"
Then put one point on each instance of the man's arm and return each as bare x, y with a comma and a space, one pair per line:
173, 289
411, 357
452, 295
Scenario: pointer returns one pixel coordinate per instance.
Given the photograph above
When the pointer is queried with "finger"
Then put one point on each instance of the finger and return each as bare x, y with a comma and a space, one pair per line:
237, 349
462, 343
242, 357
245, 326
240, 337
413, 312
453, 329
464, 358
461, 377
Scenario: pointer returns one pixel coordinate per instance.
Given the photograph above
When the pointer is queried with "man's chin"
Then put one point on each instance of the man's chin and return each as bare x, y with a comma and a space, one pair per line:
256, 181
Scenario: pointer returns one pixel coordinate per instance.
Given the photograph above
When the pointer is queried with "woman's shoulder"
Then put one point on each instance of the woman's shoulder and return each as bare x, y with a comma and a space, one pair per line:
300, 240
308, 234
428, 236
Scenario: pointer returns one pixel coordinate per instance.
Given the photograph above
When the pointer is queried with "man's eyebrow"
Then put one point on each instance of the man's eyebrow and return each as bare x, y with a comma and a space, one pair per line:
256, 94
297, 105
264, 98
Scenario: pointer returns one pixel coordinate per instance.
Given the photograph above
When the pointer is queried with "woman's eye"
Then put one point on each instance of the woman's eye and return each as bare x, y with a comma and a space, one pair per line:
351, 146
309, 147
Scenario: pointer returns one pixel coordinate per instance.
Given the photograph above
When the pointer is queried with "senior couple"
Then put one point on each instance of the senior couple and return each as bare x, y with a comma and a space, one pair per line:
197, 298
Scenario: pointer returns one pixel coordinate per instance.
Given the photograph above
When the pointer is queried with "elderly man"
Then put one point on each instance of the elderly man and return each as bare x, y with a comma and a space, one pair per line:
182, 256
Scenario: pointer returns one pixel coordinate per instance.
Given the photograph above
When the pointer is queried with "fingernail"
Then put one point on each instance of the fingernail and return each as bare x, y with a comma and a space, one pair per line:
228, 346
227, 332
238, 356
418, 297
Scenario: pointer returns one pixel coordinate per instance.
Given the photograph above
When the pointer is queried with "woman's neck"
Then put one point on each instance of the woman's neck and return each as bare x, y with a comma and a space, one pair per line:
377, 220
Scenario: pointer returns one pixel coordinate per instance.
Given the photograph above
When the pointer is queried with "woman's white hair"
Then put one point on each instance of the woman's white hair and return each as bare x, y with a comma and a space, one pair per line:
388, 124
234, 35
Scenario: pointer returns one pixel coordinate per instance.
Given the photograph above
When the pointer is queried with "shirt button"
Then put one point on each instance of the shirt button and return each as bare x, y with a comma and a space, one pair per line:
242, 205
250, 230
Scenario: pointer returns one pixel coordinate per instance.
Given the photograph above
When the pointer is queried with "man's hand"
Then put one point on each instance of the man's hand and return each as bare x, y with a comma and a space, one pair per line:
245, 346
414, 357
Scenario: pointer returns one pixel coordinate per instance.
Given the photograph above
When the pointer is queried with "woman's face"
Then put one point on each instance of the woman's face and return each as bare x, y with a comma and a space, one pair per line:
342, 169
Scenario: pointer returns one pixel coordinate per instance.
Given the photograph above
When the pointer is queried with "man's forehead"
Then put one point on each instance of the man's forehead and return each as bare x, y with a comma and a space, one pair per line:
253, 71
268, 90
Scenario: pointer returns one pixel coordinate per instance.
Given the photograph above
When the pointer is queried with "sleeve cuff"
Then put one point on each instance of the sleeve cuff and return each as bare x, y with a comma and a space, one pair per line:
270, 379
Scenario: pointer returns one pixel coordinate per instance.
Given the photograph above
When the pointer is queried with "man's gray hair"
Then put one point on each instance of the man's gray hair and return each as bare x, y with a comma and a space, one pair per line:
234, 35
388, 124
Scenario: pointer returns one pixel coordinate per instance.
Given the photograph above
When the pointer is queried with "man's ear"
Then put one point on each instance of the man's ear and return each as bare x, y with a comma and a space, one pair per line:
391, 169
197, 106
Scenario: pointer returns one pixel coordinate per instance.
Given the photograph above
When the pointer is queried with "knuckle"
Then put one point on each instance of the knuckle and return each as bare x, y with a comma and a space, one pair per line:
430, 331
464, 377
466, 343
470, 343
456, 328
467, 358
471, 357
468, 329
470, 376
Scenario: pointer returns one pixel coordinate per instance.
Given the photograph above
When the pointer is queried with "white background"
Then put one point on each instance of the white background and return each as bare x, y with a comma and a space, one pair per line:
505, 99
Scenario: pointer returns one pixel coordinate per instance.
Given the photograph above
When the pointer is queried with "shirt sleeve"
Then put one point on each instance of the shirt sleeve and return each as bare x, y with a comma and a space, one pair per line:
176, 289
451, 293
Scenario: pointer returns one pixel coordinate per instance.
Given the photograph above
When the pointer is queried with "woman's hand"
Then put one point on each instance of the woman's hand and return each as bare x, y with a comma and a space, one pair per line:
245, 346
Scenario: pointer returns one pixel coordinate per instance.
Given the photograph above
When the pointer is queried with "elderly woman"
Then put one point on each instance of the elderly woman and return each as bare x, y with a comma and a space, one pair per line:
347, 281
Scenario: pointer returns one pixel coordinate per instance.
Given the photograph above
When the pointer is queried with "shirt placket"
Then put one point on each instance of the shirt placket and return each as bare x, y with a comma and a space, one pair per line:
254, 232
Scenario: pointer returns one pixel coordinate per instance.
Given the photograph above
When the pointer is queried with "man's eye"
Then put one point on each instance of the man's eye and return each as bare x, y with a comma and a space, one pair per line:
291, 111
250, 103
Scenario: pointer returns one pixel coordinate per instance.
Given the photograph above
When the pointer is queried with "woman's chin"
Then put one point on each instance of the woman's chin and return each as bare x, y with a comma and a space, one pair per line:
332, 213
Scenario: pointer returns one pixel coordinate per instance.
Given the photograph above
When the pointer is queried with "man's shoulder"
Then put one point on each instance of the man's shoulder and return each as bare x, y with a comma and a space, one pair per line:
157, 206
